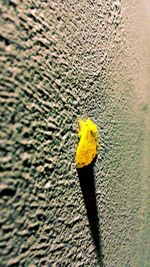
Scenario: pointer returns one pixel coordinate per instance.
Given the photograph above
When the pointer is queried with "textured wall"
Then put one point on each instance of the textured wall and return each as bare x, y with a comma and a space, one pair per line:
61, 60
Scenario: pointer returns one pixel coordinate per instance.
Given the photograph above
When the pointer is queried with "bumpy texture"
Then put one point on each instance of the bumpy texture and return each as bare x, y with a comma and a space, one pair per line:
60, 60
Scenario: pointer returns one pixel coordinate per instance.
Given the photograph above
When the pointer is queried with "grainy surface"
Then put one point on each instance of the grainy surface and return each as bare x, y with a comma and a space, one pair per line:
60, 60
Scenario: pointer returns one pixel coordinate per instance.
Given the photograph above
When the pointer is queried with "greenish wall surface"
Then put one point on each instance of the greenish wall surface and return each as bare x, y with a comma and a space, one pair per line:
60, 60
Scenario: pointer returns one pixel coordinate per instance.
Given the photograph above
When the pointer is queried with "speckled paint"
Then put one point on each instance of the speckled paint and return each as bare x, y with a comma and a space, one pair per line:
60, 60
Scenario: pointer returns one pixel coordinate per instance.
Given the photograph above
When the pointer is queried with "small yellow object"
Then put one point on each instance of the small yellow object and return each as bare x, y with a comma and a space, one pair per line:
88, 143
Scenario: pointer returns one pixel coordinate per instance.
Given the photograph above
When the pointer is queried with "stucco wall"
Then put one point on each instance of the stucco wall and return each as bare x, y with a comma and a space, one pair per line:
61, 60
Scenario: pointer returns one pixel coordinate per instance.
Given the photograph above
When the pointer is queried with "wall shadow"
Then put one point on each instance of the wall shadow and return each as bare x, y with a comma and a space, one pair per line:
86, 177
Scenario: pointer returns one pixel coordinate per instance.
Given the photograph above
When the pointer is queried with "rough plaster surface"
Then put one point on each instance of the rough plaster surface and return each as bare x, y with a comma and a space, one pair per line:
60, 60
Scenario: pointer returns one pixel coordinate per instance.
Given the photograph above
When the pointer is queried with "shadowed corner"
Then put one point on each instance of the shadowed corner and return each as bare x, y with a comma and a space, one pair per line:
86, 177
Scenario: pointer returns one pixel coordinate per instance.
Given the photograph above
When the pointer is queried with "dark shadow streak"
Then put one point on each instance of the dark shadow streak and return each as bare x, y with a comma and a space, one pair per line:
86, 177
